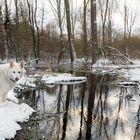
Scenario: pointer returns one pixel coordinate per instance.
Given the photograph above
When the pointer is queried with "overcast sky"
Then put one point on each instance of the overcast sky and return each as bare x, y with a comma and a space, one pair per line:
133, 5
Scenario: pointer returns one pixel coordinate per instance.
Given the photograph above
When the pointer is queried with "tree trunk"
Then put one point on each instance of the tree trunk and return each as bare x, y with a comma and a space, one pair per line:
110, 26
60, 28
17, 28
85, 42
37, 30
104, 23
9, 49
104, 9
31, 21
2, 42
125, 27
70, 37
93, 30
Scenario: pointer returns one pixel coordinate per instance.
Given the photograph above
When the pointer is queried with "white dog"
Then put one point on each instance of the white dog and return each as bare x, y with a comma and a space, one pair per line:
9, 74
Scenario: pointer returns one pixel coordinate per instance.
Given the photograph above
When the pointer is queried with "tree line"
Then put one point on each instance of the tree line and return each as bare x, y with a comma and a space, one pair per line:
76, 32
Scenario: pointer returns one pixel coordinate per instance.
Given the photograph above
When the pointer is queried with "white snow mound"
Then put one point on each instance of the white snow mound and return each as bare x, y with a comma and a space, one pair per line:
10, 114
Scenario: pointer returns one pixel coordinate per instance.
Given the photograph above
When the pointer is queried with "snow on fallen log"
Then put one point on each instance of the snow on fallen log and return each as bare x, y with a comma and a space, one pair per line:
126, 83
64, 78
35, 81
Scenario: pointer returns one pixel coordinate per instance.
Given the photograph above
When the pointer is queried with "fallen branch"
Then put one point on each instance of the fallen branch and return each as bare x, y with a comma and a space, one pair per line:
121, 54
31, 61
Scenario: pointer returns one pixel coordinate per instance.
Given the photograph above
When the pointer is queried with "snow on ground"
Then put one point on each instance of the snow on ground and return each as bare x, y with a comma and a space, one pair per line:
134, 74
10, 114
130, 72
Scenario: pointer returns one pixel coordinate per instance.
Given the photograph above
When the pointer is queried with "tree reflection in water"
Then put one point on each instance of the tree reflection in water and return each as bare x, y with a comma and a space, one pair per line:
97, 110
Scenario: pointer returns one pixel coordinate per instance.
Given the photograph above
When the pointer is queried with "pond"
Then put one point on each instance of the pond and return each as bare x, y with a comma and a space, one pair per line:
98, 109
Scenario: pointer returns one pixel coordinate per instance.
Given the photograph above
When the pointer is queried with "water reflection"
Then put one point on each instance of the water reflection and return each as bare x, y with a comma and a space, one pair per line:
97, 110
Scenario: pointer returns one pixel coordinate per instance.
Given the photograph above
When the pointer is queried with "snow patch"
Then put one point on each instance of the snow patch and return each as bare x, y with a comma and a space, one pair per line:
12, 113
12, 96
62, 78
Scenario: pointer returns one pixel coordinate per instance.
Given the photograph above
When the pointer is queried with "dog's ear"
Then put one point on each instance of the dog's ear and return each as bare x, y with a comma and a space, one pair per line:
22, 64
11, 64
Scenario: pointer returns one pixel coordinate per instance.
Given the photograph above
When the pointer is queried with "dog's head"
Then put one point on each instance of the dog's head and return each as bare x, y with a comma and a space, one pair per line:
16, 70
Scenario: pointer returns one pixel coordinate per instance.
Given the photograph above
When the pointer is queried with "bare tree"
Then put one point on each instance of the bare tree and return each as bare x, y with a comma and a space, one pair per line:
93, 30
129, 17
3, 45
23, 11
85, 41
109, 30
34, 28
125, 19
69, 31
37, 31
31, 21
42, 18
103, 13
60, 18
10, 50
17, 40
74, 15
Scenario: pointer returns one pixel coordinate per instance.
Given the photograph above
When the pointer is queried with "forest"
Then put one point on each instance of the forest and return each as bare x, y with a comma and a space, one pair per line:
69, 70
70, 32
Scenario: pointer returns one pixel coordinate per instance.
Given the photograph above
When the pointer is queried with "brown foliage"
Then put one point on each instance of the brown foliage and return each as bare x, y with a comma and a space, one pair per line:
132, 44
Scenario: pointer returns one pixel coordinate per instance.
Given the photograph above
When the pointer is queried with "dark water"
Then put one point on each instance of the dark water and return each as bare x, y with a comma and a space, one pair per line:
97, 110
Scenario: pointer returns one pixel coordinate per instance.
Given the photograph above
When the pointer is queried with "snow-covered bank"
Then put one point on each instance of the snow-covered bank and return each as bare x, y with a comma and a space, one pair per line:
10, 114
131, 71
